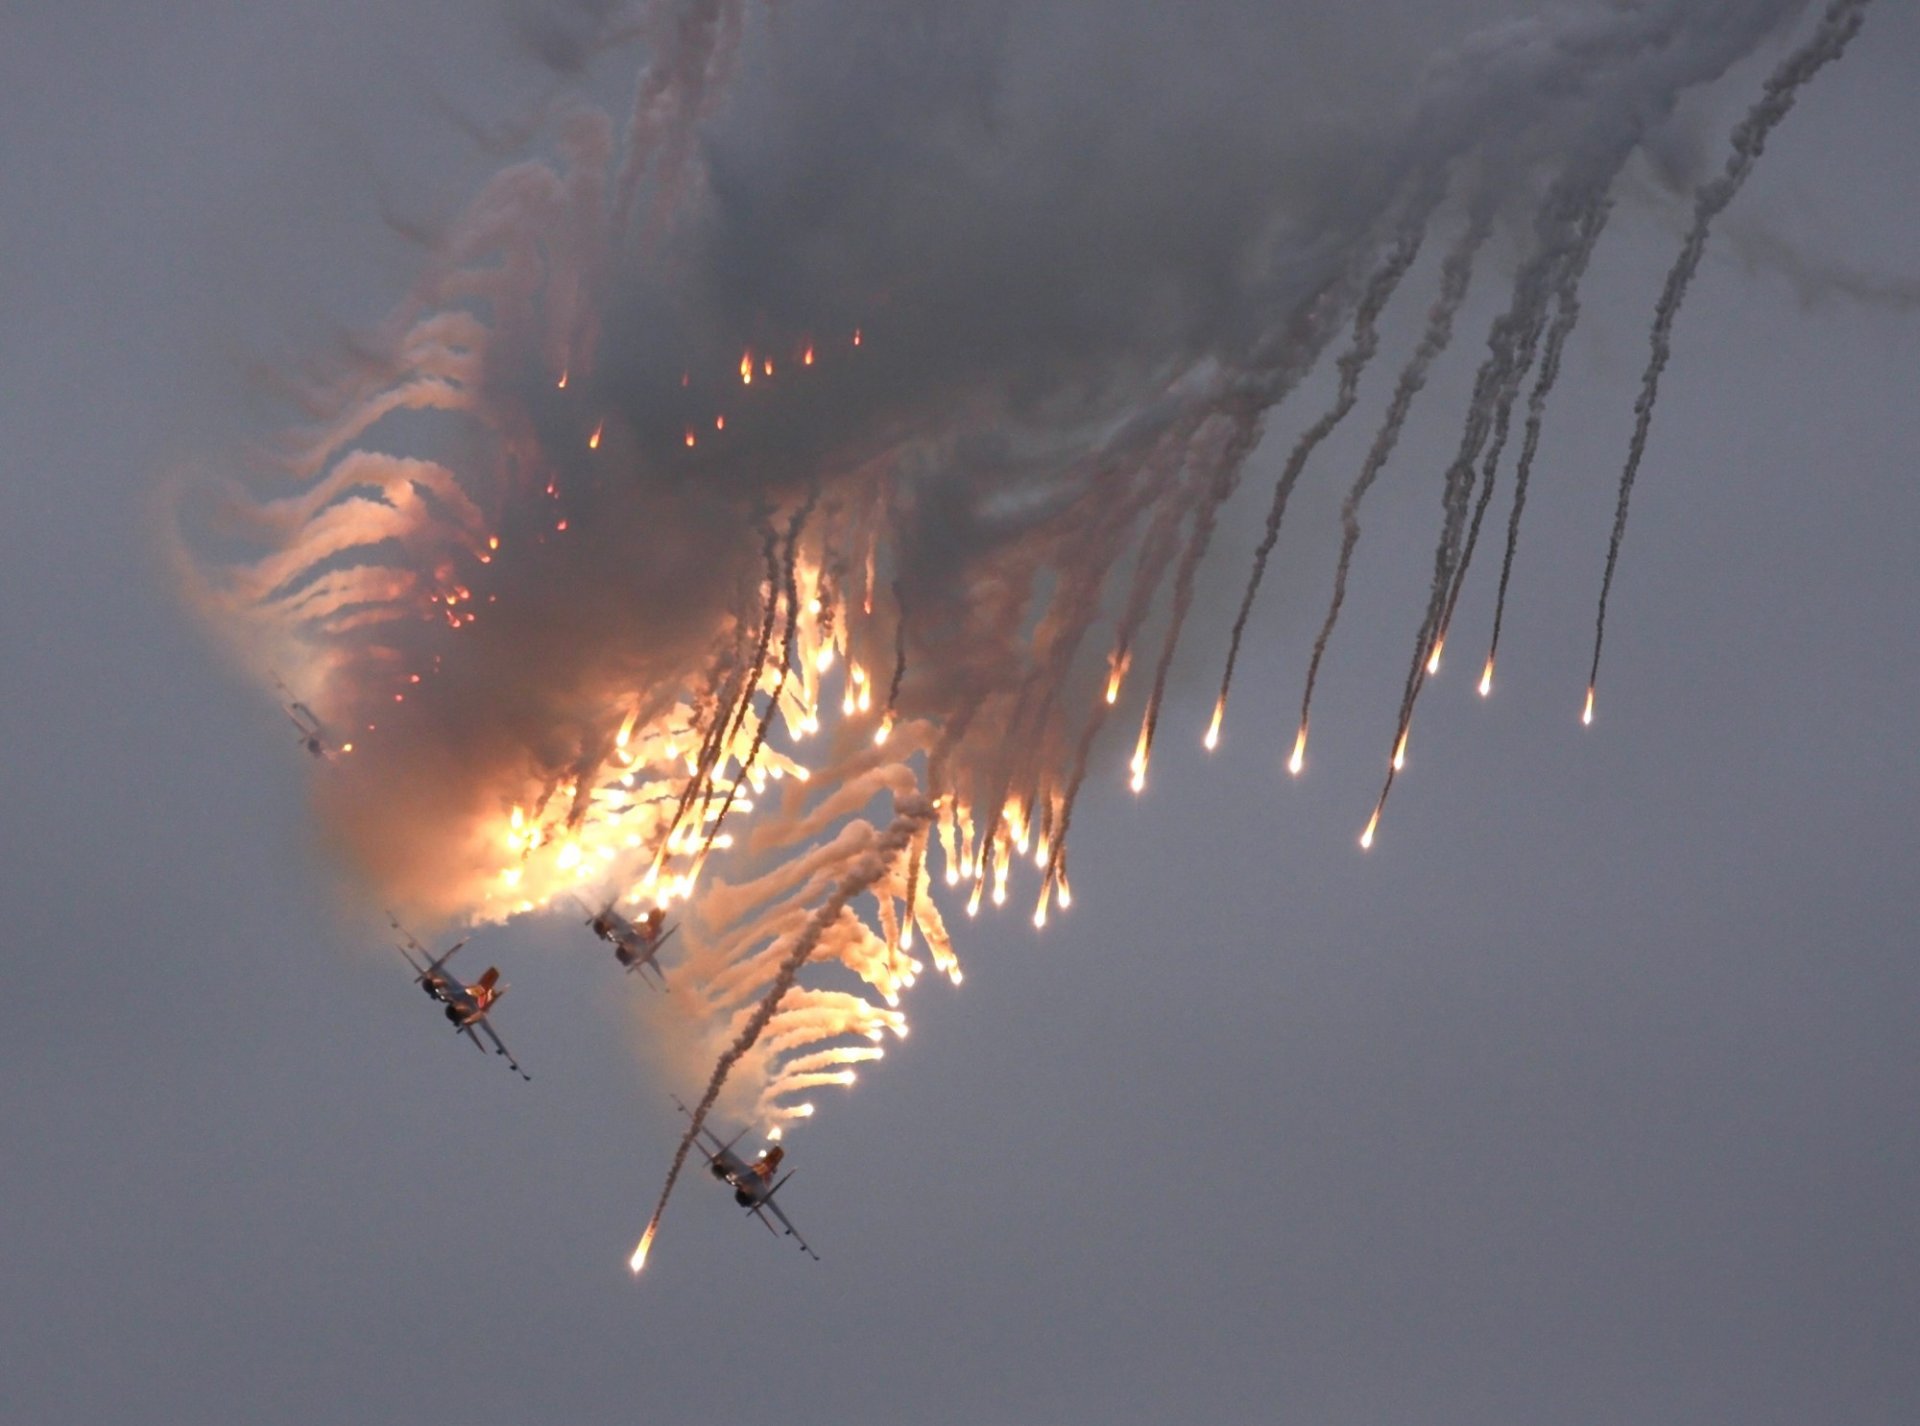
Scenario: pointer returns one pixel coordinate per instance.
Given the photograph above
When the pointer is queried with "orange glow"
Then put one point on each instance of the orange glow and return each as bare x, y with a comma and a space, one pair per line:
689, 439
767, 366
1212, 740
1586, 717
806, 357
1299, 758
1366, 837
719, 423
562, 383
1433, 659
856, 336
593, 441
1139, 783
493, 542
1116, 671
1486, 677
1400, 751
746, 368
639, 1258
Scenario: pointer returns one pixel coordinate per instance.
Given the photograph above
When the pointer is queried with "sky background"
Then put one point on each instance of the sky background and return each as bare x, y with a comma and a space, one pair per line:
1587, 1096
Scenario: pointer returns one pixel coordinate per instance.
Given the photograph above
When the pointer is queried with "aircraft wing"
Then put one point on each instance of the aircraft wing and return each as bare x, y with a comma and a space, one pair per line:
406, 937
719, 1148
770, 1206
500, 1048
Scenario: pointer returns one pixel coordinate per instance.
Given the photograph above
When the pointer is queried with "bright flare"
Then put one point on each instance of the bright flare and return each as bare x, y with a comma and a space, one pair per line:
1486, 677
593, 441
1433, 659
1212, 740
1299, 758
1366, 837
1586, 715
1400, 751
639, 1258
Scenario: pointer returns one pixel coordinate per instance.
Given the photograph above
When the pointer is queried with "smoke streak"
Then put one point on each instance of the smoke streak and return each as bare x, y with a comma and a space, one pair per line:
909, 817
581, 546
1455, 275
1838, 25
1565, 317
1352, 362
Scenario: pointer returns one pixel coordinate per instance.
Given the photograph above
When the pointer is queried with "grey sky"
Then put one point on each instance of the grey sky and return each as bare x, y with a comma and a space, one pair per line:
1586, 1096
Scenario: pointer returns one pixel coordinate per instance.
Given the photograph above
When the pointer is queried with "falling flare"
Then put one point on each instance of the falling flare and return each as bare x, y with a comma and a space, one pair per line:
689, 438
1299, 758
856, 336
1486, 677
1212, 740
593, 441
562, 382
746, 368
1139, 783
1366, 837
1586, 716
719, 423
639, 1258
1400, 751
1433, 659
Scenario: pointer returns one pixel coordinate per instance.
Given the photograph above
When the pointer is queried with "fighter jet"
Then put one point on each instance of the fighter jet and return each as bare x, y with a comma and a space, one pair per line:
466, 1005
636, 945
314, 736
752, 1181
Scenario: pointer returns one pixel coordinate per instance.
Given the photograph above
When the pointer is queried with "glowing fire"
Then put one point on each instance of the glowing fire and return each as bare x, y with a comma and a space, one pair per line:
1212, 740
1586, 714
1486, 677
1299, 758
1400, 751
1433, 659
639, 1258
593, 441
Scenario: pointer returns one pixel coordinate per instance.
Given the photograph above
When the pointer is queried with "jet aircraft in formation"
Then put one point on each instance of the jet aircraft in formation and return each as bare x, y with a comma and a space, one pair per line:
636, 945
467, 1006
315, 736
752, 1180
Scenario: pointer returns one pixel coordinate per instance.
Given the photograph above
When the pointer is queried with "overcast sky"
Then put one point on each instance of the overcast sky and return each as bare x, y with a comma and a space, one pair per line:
1586, 1096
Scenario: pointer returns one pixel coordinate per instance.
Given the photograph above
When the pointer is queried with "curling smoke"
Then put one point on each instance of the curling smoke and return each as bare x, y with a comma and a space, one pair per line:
816, 451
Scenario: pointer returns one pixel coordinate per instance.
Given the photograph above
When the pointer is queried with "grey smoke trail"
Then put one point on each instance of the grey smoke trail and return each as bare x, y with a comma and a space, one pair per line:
1561, 269
692, 49
1566, 316
1352, 362
1838, 25
1456, 274
780, 683
910, 816
899, 650
1243, 434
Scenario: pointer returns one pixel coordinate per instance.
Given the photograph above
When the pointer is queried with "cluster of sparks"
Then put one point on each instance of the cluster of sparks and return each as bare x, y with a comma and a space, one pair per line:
841, 740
